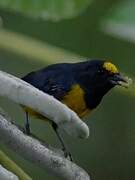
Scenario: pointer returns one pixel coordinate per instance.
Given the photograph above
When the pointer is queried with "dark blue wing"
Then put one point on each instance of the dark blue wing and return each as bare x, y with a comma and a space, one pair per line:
55, 80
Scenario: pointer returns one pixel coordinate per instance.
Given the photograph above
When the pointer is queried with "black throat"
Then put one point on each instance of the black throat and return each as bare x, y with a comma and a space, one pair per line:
94, 91
93, 97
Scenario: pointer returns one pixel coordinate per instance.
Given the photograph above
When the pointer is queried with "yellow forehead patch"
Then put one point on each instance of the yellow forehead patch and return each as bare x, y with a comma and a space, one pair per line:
110, 67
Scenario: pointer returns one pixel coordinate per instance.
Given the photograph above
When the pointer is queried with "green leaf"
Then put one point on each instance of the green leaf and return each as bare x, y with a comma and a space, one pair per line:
120, 22
47, 9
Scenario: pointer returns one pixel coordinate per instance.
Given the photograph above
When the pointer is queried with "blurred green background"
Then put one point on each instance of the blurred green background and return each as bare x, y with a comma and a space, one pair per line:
100, 30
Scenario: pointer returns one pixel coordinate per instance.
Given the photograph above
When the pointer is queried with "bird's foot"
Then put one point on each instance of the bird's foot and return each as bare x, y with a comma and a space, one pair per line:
27, 129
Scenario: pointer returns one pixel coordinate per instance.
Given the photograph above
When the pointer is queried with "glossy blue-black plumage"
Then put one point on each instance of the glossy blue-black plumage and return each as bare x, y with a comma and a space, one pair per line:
55, 79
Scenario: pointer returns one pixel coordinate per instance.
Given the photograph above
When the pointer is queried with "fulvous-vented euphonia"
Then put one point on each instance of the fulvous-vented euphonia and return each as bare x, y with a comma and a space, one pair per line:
81, 86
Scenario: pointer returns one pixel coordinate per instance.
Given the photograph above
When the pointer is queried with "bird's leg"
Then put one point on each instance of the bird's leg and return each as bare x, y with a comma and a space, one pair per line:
27, 124
66, 152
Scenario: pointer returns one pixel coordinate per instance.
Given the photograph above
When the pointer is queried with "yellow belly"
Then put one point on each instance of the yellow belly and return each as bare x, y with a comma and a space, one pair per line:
74, 99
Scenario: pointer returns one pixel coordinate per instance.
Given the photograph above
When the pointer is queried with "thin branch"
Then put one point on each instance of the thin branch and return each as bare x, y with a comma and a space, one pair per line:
11, 166
27, 95
31, 149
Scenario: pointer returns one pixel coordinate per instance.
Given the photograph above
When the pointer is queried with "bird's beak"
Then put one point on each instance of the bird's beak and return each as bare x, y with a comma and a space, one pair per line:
120, 80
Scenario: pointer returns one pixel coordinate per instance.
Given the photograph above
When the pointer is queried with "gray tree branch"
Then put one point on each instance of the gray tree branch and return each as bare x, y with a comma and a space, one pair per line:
7, 175
33, 150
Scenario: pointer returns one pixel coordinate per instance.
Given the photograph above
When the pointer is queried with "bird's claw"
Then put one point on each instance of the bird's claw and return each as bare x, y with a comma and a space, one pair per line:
67, 155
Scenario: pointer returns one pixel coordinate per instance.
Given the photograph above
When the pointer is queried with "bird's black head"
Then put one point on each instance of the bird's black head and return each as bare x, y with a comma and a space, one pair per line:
98, 77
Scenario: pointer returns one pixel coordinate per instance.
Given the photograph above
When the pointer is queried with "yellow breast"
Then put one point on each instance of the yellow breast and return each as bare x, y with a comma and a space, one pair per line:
75, 101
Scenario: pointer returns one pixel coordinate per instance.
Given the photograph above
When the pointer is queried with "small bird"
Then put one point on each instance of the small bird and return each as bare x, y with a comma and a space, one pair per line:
81, 86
